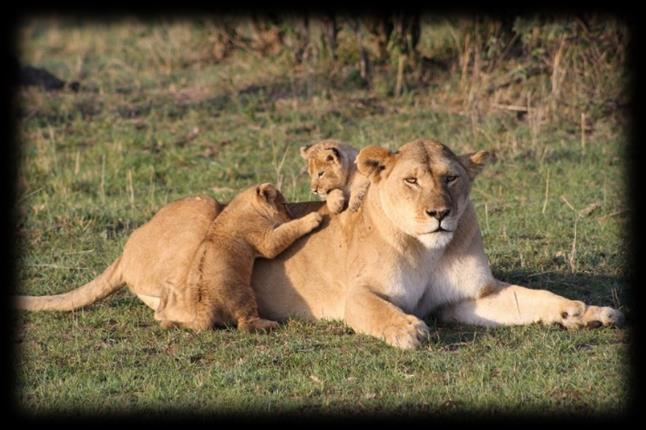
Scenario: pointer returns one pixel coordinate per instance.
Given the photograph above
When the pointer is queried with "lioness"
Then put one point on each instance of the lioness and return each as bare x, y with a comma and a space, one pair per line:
333, 174
413, 247
217, 290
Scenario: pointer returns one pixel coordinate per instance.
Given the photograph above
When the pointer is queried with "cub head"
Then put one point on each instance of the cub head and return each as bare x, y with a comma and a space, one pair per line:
423, 188
271, 203
329, 164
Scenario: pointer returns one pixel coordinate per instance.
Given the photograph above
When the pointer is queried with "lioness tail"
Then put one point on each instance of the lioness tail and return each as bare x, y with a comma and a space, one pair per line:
103, 285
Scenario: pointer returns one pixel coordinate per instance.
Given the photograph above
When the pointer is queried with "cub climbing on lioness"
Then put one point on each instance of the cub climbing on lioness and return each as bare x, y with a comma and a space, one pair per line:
334, 175
217, 290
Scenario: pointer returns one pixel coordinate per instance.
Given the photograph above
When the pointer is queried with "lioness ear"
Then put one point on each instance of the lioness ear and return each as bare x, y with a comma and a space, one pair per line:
305, 150
267, 192
374, 161
475, 162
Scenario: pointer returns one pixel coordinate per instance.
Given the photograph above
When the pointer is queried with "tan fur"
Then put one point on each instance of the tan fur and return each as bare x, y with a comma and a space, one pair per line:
155, 257
380, 269
333, 174
217, 290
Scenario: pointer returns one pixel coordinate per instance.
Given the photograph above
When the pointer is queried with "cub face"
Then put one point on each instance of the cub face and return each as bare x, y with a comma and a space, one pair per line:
271, 203
423, 188
328, 165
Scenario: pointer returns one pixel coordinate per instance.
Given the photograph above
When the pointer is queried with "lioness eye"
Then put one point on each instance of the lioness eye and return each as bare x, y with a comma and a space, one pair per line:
321, 174
450, 179
411, 180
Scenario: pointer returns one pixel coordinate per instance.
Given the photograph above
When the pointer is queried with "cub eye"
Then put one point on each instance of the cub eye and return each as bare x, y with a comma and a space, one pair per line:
321, 173
449, 179
411, 180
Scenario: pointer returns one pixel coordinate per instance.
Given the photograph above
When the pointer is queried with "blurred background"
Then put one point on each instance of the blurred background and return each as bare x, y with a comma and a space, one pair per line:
508, 82
550, 67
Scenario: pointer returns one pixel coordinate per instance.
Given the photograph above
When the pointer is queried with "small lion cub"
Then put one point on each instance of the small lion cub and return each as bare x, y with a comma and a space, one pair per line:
218, 285
334, 175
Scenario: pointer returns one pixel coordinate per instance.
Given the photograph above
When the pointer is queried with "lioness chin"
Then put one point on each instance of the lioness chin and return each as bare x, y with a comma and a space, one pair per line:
413, 247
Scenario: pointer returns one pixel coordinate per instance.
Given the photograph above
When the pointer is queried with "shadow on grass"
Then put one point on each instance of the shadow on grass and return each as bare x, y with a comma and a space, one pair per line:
593, 289
254, 96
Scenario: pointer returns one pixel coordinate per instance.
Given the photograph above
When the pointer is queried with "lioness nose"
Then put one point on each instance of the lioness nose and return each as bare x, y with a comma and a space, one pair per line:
439, 214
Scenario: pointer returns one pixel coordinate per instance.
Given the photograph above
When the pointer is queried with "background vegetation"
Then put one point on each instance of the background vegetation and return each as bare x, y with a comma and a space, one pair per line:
208, 105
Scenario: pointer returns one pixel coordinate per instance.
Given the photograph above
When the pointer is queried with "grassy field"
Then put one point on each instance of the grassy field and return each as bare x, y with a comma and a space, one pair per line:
158, 118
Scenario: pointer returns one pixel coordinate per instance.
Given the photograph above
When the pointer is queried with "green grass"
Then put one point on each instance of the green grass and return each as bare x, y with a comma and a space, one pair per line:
97, 164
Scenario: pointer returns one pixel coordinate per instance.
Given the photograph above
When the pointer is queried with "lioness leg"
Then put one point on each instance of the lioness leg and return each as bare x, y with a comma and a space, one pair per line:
173, 308
366, 312
516, 305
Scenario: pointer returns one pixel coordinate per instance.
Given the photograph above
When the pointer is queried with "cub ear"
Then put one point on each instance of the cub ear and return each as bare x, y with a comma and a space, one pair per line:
475, 162
334, 155
267, 192
305, 150
374, 162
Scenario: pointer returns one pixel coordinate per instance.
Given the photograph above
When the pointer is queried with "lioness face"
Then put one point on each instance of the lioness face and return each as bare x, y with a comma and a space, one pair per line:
328, 166
423, 188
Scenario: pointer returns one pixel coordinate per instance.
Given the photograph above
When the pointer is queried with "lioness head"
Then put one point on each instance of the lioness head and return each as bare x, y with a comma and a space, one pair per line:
422, 188
270, 203
329, 163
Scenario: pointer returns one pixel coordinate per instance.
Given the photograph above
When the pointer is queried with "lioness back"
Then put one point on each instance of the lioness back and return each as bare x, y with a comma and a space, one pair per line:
217, 289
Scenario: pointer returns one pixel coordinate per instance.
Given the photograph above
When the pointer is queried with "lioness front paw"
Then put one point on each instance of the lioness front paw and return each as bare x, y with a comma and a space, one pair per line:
408, 335
335, 201
578, 314
312, 220
597, 316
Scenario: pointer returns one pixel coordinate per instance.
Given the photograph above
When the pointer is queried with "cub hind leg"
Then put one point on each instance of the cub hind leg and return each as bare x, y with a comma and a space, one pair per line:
240, 301
256, 324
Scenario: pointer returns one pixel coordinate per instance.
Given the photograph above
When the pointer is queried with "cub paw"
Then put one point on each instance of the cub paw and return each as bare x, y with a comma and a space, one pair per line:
355, 201
312, 220
167, 324
355, 204
408, 335
257, 324
335, 201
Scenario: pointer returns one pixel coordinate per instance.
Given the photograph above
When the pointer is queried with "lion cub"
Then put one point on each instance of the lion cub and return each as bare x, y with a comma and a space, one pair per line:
218, 286
334, 175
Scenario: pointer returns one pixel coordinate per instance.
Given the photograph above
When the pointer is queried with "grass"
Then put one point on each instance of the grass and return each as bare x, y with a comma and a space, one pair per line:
158, 120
